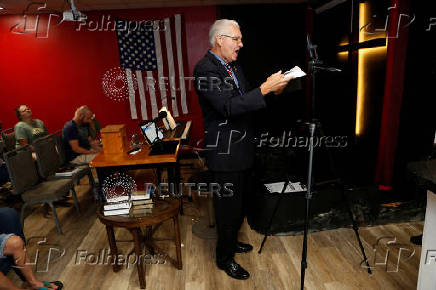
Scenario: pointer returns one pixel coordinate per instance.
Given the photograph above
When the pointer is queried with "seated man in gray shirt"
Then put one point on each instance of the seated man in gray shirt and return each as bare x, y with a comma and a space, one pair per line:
27, 129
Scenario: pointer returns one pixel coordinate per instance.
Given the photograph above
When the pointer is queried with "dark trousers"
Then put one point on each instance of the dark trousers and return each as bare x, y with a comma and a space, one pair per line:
4, 175
230, 209
10, 224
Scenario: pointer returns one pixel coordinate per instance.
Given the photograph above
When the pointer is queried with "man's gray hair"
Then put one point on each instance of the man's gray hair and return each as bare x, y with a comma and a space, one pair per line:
220, 27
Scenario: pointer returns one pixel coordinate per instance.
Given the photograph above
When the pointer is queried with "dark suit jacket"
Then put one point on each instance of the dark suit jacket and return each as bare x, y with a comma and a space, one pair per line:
227, 115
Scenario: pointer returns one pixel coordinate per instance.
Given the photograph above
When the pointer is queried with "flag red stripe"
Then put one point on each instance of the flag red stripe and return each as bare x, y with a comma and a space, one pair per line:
188, 87
176, 65
176, 70
164, 64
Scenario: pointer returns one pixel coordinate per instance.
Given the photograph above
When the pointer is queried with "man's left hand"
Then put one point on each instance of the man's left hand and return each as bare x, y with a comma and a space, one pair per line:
281, 88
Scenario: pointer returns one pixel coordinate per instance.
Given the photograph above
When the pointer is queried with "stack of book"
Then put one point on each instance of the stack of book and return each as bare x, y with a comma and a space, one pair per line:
142, 202
117, 206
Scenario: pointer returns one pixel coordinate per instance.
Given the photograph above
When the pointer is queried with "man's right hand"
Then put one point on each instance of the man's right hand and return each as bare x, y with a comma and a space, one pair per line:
80, 150
274, 83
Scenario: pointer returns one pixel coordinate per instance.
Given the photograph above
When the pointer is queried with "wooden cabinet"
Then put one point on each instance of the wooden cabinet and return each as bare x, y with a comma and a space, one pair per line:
114, 139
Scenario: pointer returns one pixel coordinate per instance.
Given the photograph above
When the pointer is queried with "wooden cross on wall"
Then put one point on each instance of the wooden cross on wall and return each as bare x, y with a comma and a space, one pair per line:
360, 43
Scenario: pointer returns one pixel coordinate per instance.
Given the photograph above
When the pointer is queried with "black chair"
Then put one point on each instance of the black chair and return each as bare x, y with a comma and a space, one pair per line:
82, 170
48, 162
26, 182
4, 177
9, 140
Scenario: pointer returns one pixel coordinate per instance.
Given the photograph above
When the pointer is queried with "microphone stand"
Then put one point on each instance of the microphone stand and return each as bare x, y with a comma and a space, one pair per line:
314, 66
308, 199
164, 117
157, 141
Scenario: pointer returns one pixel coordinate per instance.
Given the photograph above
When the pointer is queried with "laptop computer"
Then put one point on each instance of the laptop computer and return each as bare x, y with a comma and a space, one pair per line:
154, 137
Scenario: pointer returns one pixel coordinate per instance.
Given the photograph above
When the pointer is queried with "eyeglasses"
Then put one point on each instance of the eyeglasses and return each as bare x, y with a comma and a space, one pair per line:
237, 39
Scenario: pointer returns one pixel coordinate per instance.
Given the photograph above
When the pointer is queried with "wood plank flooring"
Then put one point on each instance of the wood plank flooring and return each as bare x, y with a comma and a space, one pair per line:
333, 256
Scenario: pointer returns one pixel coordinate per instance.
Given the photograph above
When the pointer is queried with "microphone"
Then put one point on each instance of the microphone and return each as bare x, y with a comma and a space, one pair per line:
309, 46
330, 69
162, 115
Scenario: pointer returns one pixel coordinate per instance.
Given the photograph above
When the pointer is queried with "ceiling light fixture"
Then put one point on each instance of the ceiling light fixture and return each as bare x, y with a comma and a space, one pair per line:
74, 14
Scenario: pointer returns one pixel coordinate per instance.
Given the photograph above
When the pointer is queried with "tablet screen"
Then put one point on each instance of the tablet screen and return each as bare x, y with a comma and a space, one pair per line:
149, 131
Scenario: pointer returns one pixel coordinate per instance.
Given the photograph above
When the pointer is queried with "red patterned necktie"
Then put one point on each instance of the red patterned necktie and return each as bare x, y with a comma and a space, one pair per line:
229, 69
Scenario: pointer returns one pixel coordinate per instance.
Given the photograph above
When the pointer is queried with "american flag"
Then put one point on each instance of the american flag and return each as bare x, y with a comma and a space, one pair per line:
154, 59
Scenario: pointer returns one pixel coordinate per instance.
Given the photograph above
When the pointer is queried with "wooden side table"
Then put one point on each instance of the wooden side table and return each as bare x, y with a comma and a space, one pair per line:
108, 163
163, 210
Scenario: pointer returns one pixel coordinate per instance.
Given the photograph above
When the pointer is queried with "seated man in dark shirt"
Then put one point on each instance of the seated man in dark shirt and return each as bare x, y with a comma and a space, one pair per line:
78, 148
92, 129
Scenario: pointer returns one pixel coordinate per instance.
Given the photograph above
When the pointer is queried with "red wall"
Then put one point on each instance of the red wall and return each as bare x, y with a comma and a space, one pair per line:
57, 74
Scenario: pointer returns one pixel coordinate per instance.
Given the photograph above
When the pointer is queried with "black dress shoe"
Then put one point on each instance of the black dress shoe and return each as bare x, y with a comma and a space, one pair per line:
243, 248
417, 240
234, 270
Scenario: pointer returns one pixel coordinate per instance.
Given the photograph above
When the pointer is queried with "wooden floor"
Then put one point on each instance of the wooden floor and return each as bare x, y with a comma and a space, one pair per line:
333, 256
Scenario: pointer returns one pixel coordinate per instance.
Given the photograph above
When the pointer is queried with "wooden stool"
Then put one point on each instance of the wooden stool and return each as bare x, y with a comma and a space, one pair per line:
162, 210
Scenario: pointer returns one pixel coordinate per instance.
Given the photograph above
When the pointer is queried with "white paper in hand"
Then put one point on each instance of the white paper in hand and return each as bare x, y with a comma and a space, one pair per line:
295, 72
277, 187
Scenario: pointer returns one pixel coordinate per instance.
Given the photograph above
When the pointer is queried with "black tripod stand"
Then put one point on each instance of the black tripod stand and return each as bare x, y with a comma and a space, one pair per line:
314, 66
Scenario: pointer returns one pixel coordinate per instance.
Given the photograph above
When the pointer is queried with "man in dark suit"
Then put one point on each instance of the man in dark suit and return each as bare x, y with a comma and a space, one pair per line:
228, 107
